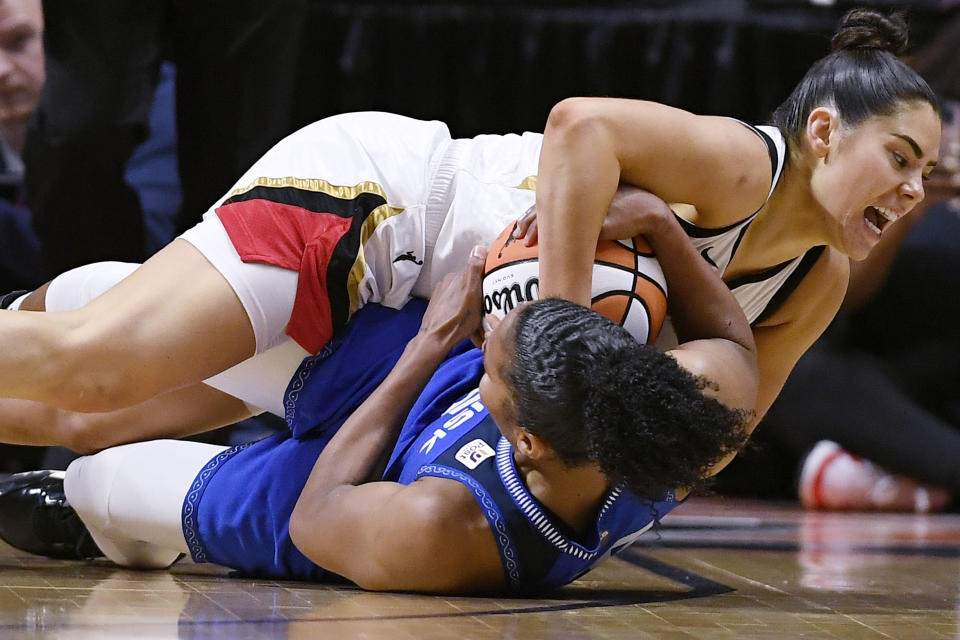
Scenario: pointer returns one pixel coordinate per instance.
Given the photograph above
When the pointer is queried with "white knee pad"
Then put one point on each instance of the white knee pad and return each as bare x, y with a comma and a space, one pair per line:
75, 288
88, 482
134, 493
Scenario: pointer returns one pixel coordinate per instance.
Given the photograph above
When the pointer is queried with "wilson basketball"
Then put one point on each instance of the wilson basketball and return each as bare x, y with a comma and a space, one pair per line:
628, 284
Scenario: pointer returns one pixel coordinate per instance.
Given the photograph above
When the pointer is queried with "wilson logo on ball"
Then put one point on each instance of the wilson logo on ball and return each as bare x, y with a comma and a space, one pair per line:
628, 284
507, 291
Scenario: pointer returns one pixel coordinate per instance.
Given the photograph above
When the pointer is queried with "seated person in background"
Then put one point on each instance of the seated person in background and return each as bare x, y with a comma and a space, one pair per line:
21, 81
151, 170
576, 440
887, 428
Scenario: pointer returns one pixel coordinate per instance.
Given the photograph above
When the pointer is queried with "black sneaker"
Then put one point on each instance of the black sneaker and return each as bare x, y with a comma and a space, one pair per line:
36, 517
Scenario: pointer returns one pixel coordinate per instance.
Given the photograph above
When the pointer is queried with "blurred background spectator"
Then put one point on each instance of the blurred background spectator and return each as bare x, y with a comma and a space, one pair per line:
152, 170
102, 176
236, 68
21, 79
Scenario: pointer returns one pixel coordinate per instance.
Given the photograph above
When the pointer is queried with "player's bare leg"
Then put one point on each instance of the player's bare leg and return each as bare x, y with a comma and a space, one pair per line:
172, 323
174, 414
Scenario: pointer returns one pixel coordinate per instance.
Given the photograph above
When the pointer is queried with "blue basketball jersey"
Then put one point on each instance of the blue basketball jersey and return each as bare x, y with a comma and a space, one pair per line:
329, 386
238, 510
463, 443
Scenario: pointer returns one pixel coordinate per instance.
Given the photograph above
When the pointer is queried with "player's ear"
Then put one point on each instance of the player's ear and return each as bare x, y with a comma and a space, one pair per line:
821, 128
531, 445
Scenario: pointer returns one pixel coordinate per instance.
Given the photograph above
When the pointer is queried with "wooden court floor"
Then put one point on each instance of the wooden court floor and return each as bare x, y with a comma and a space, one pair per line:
718, 568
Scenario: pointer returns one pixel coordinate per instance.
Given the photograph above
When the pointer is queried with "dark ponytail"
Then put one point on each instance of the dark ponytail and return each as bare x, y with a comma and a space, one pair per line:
861, 78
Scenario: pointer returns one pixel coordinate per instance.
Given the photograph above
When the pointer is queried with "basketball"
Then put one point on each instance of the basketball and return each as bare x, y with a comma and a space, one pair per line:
628, 284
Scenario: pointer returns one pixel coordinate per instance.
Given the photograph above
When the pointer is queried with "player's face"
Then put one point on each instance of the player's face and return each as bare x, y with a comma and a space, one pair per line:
495, 392
873, 175
21, 58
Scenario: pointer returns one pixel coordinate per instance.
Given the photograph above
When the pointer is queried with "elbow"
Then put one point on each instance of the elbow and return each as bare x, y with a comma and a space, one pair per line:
749, 372
739, 332
567, 112
573, 118
327, 552
749, 378
306, 532
299, 530
749, 345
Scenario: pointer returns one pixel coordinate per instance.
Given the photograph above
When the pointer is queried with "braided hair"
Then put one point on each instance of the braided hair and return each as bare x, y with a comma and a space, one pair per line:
589, 389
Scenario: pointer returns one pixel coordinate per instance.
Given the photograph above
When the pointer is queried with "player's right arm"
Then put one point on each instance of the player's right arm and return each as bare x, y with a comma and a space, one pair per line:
590, 145
429, 536
384, 535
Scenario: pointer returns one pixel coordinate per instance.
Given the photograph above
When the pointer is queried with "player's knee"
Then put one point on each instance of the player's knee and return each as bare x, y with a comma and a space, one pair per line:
87, 483
36, 300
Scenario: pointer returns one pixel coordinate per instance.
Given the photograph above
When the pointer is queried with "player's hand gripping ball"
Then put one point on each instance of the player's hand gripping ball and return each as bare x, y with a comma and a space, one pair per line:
628, 284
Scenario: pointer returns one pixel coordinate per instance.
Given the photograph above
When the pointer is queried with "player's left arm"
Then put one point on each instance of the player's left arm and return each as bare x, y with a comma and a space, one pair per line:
361, 444
803, 317
788, 333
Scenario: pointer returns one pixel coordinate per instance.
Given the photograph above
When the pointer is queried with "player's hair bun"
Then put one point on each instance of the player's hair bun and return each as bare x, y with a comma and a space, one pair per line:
870, 29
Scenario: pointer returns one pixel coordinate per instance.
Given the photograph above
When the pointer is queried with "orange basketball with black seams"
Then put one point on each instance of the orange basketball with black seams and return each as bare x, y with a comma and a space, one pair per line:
628, 284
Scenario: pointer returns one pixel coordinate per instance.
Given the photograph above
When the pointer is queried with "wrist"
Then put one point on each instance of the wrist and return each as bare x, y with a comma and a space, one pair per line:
663, 228
428, 348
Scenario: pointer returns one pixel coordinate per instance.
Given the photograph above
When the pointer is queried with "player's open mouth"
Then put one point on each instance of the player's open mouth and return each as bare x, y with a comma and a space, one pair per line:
877, 218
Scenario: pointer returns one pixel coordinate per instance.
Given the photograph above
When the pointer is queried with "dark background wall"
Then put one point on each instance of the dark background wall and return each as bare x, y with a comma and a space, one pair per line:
493, 67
